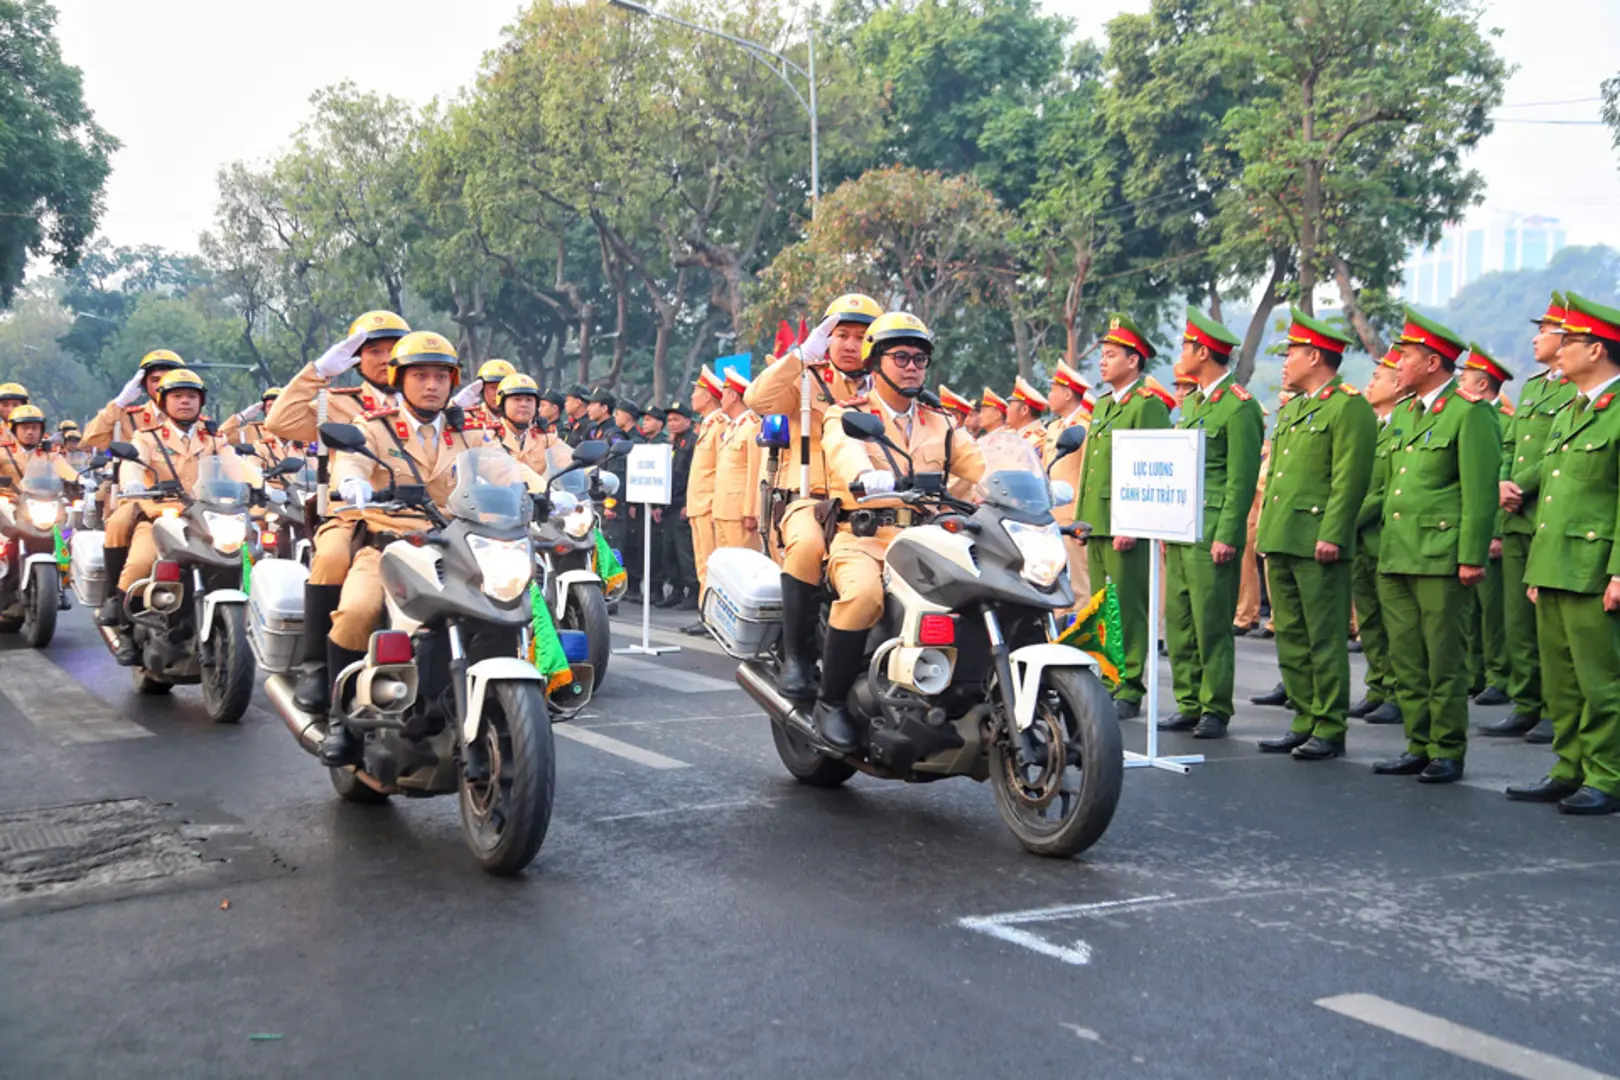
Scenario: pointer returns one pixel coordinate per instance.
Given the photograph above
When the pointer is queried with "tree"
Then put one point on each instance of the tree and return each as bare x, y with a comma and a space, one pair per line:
1494, 308
53, 155
1611, 108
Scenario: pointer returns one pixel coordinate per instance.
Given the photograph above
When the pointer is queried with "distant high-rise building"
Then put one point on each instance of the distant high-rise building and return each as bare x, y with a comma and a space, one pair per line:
1467, 251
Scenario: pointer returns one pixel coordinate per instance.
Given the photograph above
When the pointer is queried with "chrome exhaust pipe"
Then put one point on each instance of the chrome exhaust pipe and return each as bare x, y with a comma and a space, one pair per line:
307, 728
759, 685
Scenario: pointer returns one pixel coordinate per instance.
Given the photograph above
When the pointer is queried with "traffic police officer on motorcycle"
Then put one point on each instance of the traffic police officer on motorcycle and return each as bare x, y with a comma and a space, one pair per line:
136, 407
516, 399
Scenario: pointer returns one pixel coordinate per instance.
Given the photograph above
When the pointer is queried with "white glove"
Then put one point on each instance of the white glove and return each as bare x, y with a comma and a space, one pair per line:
814, 349
252, 412
469, 396
132, 392
876, 481
354, 491
341, 357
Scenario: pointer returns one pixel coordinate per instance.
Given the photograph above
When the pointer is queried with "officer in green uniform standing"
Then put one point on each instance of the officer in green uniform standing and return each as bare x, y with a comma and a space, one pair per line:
1574, 570
1439, 517
1129, 405
1525, 440
1321, 464
1377, 705
1481, 376
1203, 578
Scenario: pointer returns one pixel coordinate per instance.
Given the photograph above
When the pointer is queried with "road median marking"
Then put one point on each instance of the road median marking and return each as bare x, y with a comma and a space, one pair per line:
57, 704
609, 745
1466, 1043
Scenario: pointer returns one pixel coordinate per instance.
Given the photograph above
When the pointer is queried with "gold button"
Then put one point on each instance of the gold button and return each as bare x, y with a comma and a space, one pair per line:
1543, 525
1555, 472
1442, 524
1274, 498
1521, 457
1315, 510
1397, 491
1396, 515
1409, 449
1527, 438
1285, 449
1591, 536
1548, 499
1589, 446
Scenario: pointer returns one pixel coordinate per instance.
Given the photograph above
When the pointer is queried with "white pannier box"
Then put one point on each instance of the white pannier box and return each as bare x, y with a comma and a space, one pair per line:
276, 621
742, 605
88, 565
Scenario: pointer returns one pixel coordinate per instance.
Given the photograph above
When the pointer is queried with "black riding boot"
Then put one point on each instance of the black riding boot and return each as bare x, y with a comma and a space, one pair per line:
798, 635
112, 608
342, 746
841, 658
312, 694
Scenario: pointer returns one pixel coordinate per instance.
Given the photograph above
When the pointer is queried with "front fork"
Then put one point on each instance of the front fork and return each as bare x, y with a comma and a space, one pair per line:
474, 757
1029, 750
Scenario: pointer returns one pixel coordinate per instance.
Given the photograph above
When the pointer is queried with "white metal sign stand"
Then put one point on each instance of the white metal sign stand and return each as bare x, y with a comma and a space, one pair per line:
647, 481
1158, 495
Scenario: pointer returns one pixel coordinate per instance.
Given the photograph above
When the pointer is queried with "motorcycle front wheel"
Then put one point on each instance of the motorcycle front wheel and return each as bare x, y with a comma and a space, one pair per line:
1060, 806
227, 679
506, 817
39, 623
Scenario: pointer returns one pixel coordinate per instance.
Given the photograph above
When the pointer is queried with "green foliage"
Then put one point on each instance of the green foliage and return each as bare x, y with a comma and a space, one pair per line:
1496, 309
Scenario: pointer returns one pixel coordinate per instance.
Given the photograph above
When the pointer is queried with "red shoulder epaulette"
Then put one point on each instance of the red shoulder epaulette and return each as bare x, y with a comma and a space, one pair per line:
1440, 404
378, 414
1603, 402
1242, 392
1469, 397
1347, 388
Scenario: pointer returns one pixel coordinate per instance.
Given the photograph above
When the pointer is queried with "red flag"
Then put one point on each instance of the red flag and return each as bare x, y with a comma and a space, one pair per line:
804, 332
784, 339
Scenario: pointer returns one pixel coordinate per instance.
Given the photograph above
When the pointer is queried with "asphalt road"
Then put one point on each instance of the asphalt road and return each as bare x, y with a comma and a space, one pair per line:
694, 912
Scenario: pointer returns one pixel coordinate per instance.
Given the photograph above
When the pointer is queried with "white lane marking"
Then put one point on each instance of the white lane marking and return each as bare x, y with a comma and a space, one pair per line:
57, 704
705, 643
672, 678
1466, 1043
1007, 925
606, 743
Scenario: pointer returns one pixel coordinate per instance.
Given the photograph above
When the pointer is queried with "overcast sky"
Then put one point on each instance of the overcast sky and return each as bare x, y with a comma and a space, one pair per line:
191, 85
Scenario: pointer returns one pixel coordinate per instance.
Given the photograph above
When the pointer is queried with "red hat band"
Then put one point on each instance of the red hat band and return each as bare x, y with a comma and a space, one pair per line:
1579, 322
1417, 335
1119, 335
1198, 337
1300, 334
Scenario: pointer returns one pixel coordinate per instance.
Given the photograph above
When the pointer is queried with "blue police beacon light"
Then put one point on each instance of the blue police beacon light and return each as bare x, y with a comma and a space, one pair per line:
774, 432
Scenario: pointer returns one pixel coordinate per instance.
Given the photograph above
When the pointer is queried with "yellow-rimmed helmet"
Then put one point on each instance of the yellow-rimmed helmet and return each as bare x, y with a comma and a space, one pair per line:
13, 392
892, 328
516, 383
493, 371
161, 360
380, 326
271, 394
27, 414
422, 348
855, 308
68, 425
181, 379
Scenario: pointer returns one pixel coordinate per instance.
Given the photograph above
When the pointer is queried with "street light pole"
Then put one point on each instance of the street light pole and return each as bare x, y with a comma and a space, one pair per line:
782, 67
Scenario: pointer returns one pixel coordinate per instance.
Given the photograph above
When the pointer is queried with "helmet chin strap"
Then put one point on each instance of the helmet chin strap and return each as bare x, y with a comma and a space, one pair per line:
426, 416
907, 392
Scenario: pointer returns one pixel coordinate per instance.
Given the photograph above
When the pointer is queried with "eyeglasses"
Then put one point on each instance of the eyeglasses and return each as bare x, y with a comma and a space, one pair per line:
909, 359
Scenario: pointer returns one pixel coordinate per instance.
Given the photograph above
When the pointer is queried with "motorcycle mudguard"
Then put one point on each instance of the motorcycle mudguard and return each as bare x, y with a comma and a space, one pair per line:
564, 580
34, 560
213, 600
1028, 664
480, 675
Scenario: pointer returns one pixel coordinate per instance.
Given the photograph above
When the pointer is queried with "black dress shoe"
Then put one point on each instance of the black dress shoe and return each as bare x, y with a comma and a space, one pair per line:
1513, 724
1442, 771
1547, 789
1164, 650
1126, 710
1405, 765
1386, 713
1354, 645
1589, 801
1239, 631
126, 652
1315, 749
1265, 633
1279, 696
689, 602
1362, 708
1210, 726
1179, 722
836, 728
1541, 734
1284, 743
1492, 696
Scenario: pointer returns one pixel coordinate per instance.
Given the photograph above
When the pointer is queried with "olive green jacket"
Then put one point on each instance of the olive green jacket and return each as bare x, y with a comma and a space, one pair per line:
1524, 443
1140, 409
1233, 431
1370, 521
1578, 513
1321, 466
1440, 510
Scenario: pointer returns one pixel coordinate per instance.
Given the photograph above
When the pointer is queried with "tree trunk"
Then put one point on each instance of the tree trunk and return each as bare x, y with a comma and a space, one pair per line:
1351, 298
1020, 331
1072, 300
1311, 212
1268, 302
1215, 300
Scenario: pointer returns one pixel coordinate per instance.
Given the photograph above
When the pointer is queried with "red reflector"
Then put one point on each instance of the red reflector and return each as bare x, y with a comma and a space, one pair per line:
270, 539
166, 572
390, 647
951, 524
936, 630
562, 549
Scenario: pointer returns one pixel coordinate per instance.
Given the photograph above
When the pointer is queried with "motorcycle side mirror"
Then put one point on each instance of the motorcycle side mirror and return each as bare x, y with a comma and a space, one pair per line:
123, 451
928, 399
343, 437
1070, 440
285, 467
618, 448
98, 460
862, 426
589, 452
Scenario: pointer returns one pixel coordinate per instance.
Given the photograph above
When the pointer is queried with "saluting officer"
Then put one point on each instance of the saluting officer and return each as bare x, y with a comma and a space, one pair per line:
1439, 517
736, 473
1525, 440
1482, 377
1377, 705
673, 532
1203, 578
516, 399
1574, 570
1128, 405
479, 400
1321, 464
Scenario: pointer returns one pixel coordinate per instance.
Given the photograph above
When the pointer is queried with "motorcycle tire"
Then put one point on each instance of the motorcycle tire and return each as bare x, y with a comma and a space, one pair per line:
586, 611
505, 819
351, 789
806, 764
39, 625
1089, 723
227, 683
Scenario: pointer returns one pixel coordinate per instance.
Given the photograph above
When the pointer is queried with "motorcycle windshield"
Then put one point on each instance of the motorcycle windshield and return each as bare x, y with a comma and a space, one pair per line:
215, 484
40, 480
78, 460
1013, 477
558, 457
490, 489
577, 484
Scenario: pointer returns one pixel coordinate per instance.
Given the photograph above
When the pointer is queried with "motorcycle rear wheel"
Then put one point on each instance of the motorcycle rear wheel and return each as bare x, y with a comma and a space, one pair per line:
505, 818
805, 763
1082, 806
39, 625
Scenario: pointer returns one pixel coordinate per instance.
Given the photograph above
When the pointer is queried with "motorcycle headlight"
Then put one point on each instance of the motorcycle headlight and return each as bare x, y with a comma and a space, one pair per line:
1045, 557
42, 512
227, 531
506, 565
579, 522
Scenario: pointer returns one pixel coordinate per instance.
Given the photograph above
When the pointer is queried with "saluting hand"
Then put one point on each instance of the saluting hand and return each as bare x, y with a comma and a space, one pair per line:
1470, 575
1222, 553
1326, 552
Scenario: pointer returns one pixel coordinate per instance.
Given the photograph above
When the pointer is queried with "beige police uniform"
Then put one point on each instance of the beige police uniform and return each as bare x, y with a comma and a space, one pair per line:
700, 489
1068, 470
131, 524
736, 483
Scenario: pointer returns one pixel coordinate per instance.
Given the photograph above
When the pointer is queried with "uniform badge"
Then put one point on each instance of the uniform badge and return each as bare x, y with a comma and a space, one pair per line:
1216, 396
1603, 402
401, 430
1327, 392
1439, 405
1242, 392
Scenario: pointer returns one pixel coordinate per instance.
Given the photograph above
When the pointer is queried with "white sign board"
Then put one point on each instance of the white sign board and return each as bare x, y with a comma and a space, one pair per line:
647, 472
1158, 485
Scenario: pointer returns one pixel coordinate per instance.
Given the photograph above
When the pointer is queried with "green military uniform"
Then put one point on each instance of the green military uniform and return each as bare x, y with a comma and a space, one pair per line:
1320, 468
1525, 441
1137, 407
1483, 636
1201, 595
1380, 679
1573, 558
1439, 514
